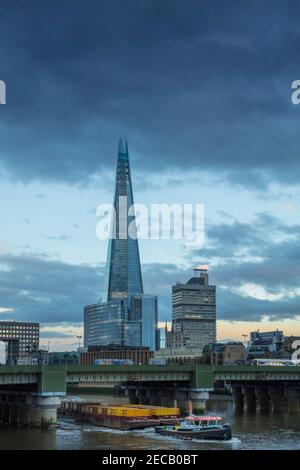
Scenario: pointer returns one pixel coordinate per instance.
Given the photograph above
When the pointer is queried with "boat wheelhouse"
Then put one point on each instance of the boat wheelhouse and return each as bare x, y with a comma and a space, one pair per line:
195, 422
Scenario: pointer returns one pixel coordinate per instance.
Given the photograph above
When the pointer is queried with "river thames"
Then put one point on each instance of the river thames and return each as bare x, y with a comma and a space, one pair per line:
251, 430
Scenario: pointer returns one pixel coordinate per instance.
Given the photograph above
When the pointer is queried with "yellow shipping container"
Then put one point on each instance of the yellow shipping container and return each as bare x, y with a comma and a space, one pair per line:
124, 411
131, 411
158, 410
161, 411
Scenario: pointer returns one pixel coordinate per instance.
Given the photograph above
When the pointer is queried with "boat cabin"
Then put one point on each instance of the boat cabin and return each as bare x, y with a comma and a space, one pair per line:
194, 422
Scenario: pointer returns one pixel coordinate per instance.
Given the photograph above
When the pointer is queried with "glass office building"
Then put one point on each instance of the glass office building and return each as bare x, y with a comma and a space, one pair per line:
144, 310
104, 323
125, 316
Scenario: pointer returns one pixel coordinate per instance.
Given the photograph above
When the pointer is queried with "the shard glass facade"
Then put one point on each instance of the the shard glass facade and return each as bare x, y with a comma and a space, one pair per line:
125, 315
123, 272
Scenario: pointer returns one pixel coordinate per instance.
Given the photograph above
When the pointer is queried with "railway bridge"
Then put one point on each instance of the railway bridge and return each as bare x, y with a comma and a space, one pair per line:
263, 386
31, 394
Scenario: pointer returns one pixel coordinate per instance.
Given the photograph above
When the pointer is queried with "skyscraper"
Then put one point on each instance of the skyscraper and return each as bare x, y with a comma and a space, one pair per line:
194, 313
123, 269
125, 316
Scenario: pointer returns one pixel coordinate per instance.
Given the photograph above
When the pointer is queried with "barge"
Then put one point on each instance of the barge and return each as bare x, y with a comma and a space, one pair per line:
123, 417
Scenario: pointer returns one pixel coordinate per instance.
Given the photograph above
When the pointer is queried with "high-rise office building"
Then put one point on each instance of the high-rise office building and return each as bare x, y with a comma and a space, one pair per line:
125, 316
21, 339
194, 313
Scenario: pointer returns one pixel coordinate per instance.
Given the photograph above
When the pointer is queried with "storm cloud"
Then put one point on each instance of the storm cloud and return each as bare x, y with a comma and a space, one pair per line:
202, 91
38, 288
255, 266
197, 85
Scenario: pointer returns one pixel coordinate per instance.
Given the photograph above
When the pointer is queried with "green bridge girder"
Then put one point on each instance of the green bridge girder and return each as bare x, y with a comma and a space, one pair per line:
257, 373
53, 380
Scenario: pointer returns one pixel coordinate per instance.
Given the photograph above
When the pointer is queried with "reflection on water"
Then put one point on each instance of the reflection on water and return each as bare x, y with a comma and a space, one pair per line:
251, 430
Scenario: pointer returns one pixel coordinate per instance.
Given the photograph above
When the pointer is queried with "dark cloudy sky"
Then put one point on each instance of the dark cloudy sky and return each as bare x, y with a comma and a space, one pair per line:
202, 91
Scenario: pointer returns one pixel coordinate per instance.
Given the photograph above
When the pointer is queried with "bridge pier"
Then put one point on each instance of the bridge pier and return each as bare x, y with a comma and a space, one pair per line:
19, 409
167, 397
190, 400
277, 398
250, 398
154, 397
293, 399
23, 415
181, 395
5, 414
198, 398
143, 396
150, 396
48, 410
132, 396
14, 415
238, 397
263, 398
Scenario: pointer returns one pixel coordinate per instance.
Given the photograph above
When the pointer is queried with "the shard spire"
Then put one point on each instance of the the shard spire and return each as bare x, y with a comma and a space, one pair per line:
123, 269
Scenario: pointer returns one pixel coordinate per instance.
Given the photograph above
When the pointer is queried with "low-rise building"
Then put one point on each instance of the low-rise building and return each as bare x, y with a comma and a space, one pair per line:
179, 355
224, 353
264, 344
138, 355
63, 357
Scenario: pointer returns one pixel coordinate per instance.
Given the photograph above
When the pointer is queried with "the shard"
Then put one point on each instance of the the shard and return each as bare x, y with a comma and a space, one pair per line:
123, 269
125, 316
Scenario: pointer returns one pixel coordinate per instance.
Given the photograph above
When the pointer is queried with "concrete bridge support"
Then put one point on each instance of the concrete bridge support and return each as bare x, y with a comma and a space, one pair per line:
28, 410
238, 397
182, 398
133, 399
48, 410
277, 398
190, 400
263, 398
143, 396
24, 414
167, 397
198, 398
293, 399
250, 397
154, 397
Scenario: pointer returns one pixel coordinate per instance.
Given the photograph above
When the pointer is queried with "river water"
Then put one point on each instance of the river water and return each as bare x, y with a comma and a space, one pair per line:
251, 430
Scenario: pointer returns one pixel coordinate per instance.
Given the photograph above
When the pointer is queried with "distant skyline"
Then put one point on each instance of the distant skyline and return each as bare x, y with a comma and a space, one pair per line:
203, 95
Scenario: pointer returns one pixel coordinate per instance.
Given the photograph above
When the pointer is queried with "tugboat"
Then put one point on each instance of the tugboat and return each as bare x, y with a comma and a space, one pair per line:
198, 427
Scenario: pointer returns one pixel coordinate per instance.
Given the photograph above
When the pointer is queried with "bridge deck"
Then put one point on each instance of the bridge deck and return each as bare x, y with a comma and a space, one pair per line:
54, 378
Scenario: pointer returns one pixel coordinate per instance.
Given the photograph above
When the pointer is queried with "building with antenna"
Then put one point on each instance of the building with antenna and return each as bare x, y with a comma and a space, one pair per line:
193, 317
125, 316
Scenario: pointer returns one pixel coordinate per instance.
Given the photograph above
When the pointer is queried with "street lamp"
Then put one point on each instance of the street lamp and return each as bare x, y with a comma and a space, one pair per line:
245, 341
79, 338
